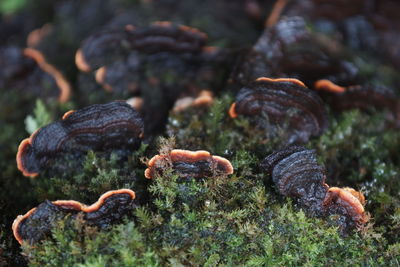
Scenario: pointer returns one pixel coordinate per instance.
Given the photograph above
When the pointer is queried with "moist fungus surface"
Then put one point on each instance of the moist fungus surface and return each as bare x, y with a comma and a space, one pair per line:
37, 223
297, 174
282, 101
100, 127
189, 164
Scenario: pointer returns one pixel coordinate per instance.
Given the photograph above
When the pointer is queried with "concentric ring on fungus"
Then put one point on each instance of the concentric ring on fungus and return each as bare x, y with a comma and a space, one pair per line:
283, 100
108, 209
100, 127
297, 174
106, 47
189, 164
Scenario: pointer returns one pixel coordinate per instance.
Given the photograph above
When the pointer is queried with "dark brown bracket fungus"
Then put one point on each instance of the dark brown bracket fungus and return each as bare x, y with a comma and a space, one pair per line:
289, 48
187, 163
361, 97
297, 174
38, 222
27, 70
159, 62
101, 127
283, 101
104, 48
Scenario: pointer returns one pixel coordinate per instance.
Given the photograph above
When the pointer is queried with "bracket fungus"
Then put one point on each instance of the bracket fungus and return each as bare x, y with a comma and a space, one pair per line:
187, 163
361, 97
283, 101
297, 174
290, 48
106, 47
38, 222
204, 98
99, 127
27, 70
159, 62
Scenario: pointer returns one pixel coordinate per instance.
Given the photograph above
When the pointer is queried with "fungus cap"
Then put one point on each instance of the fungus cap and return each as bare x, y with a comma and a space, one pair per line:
189, 164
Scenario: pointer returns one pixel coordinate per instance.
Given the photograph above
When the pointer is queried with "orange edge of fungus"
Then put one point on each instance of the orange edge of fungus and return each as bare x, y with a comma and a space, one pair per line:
348, 197
359, 195
22, 146
100, 79
181, 27
328, 86
81, 62
289, 80
61, 82
16, 223
177, 154
67, 114
205, 98
232, 111
71, 204
225, 162
275, 13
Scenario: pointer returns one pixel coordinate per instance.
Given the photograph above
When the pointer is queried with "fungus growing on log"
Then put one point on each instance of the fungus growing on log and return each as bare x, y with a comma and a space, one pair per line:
38, 222
297, 174
361, 97
282, 101
187, 163
26, 70
100, 127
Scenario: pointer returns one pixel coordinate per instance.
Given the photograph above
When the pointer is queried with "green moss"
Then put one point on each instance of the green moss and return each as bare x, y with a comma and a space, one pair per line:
100, 172
40, 118
235, 220
224, 221
73, 244
11, 6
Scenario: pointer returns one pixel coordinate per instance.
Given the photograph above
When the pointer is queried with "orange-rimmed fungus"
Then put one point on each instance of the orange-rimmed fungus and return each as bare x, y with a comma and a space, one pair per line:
159, 62
109, 46
297, 174
38, 222
342, 202
27, 70
204, 98
189, 164
62, 83
361, 97
282, 101
100, 127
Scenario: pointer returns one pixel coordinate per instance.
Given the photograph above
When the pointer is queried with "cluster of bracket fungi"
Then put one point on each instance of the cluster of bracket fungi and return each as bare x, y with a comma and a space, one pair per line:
119, 59
320, 72
37, 223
